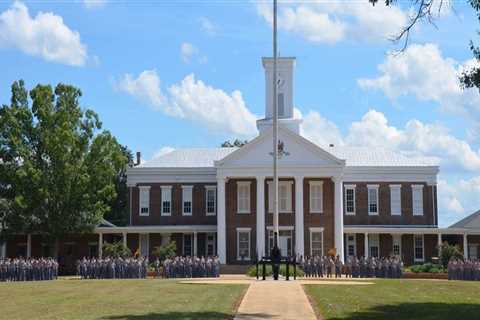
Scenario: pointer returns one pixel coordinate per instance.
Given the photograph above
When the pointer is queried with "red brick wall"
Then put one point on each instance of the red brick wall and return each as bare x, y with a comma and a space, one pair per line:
384, 217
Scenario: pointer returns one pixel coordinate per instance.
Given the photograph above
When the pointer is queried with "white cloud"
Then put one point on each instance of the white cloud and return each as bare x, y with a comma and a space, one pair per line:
207, 26
188, 52
193, 100
423, 72
320, 130
44, 35
94, 4
457, 198
337, 20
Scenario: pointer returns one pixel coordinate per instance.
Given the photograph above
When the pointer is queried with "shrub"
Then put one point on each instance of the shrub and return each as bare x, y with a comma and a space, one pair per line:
252, 271
447, 252
165, 251
427, 268
116, 250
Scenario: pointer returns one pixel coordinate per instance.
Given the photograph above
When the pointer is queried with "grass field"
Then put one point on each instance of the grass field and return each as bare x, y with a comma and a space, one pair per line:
398, 299
117, 300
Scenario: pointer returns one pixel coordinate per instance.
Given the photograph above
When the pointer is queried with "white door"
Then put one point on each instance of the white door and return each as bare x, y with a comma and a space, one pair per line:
284, 245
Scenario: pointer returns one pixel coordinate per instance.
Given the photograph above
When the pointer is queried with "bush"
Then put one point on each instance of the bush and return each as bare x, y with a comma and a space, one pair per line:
116, 250
427, 268
252, 271
165, 251
448, 252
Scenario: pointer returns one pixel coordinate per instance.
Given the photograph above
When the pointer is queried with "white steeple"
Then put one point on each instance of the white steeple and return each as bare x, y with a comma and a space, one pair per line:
285, 66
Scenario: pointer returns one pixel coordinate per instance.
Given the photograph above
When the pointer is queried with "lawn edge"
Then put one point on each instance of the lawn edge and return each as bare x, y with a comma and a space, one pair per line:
315, 308
237, 304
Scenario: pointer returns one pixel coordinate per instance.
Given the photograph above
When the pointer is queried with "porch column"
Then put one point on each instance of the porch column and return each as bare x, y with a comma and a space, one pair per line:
124, 239
29, 245
195, 243
365, 243
339, 216
3, 250
465, 245
221, 221
100, 245
299, 221
165, 238
439, 243
260, 216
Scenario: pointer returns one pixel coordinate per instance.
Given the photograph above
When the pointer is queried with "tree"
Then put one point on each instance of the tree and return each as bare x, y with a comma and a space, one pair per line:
236, 143
57, 168
165, 251
447, 252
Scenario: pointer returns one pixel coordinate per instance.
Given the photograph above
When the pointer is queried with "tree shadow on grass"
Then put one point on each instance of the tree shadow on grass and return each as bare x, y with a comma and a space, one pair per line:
185, 316
417, 311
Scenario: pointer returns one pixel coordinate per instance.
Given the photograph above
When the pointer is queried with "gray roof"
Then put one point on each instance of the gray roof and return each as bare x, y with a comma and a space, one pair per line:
354, 156
470, 222
189, 158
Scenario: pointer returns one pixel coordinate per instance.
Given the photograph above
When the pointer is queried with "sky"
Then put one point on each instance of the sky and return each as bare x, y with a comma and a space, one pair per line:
173, 74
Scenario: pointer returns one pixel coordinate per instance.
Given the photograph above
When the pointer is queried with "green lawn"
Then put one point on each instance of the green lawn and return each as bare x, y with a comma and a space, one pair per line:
398, 299
117, 299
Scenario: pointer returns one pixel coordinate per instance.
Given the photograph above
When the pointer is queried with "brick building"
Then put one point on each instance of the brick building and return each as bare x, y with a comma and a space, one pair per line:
360, 201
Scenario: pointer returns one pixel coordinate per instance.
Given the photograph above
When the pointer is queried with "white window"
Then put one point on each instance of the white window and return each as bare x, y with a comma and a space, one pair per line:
166, 200
417, 199
372, 199
243, 243
316, 241
418, 248
187, 200
395, 200
144, 200
210, 200
316, 196
210, 246
350, 199
351, 245
243, 197
374, 245
397, 245
187, 244
284, 196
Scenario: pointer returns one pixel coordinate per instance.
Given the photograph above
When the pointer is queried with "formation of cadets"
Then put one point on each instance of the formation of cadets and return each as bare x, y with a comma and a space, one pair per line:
317, 266
468, 269
28, 269
190, 267
112, 268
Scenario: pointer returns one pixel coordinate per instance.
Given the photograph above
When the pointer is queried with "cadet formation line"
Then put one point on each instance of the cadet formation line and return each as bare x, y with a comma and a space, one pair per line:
21, 269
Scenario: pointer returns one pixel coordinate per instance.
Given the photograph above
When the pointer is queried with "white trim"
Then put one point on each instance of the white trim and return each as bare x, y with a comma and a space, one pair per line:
397, 187
354, 188
141, 190
184, 190
315, 183
247, 210
423, 248
249, 231
163, 190
373, 187
281, 228
207, 189
316, 230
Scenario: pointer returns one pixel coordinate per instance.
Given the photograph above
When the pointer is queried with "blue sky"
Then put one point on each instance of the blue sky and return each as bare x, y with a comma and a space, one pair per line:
188, 74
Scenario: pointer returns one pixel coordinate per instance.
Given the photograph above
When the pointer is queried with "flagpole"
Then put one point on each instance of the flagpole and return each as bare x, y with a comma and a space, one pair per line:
275, 130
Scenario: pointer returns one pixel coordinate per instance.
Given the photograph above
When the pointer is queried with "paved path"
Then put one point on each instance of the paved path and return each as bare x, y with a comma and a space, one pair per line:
279, 300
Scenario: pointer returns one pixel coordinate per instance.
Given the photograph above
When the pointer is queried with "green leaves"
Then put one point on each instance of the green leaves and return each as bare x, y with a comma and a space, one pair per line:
58, 171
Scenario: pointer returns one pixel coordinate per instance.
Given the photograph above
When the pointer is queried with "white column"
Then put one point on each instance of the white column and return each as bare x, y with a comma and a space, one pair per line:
124, 239
439, 243
100, 245
260, 216
465, 246
365, 243
165, 238
195, 243
339, 216
29, 245
221, 221
299, 223
3, 250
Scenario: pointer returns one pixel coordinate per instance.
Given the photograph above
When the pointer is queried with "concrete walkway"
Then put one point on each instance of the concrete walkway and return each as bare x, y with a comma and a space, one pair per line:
275, 300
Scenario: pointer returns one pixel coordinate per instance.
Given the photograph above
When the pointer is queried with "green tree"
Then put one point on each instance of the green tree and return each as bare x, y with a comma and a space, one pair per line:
447, 252
57, 167
166, 251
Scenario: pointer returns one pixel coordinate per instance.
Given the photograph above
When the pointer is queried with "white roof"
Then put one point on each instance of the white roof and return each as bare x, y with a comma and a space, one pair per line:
189, 158
354, 157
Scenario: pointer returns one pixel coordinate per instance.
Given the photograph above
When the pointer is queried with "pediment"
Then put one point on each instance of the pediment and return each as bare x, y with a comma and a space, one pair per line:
298, 152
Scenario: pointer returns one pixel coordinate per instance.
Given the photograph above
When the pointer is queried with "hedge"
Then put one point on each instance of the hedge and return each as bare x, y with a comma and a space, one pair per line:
252, 271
